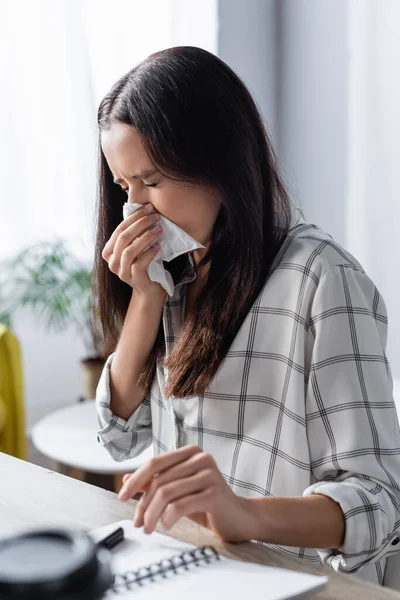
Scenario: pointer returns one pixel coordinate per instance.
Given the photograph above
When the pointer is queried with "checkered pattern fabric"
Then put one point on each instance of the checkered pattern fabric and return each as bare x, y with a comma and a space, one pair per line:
302, 403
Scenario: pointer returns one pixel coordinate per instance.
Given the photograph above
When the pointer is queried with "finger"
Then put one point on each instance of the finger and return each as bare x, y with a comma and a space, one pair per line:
126, 237
147, 256
127, 240
145, 474
132, 252
171, 492
109, 247
141, 263
192, 504
126, 476
191, 466
147, 209
134, 231
154, 466
154, 235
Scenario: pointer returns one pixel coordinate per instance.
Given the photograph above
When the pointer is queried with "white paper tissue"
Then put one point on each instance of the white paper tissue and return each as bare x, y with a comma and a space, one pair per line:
174, 241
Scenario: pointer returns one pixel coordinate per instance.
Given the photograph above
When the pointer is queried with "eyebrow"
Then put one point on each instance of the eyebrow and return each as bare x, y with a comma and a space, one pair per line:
141, 175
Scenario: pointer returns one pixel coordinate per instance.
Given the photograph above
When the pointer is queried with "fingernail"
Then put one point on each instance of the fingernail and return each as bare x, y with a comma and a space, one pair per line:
149, 208
146, 530
123, 494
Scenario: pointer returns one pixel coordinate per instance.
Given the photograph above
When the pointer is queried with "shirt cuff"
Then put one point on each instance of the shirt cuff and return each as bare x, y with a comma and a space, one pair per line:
112, 426
365, 540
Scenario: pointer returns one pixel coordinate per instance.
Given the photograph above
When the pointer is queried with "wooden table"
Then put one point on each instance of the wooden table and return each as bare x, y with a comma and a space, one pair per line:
34, 497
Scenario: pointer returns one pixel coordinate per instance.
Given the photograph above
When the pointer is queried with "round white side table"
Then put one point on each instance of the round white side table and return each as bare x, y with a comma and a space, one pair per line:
69, 436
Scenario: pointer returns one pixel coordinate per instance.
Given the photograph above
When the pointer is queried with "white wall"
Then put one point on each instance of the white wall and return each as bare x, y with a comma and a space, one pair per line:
373, 217
312, 113
324, 73
293, 55
195, 23
247, 38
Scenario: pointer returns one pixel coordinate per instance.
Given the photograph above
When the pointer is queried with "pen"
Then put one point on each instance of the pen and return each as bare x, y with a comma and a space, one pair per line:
111, 540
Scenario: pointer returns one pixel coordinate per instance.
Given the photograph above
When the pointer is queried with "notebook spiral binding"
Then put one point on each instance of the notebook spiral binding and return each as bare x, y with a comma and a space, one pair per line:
164, 568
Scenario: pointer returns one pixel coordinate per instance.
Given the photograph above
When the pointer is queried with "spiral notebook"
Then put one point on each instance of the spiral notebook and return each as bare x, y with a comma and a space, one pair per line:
147, 566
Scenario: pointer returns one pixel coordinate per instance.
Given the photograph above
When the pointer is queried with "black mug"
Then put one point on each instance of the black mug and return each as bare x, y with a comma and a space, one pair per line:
53, 563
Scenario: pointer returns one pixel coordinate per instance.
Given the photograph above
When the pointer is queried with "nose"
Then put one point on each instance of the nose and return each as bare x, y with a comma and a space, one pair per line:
134, 198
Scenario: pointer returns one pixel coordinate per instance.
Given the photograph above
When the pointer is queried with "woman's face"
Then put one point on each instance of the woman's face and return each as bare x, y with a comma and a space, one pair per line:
193, 208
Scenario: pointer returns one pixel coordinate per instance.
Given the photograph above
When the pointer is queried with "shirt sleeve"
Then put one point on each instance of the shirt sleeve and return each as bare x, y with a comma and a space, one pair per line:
352, 424
123, 439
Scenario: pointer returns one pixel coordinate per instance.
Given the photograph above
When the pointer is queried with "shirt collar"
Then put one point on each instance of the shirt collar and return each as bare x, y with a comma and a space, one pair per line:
187, 275
189, 271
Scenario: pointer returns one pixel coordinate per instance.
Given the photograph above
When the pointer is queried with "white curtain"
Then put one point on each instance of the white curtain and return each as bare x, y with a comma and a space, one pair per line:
57, 60
373, 203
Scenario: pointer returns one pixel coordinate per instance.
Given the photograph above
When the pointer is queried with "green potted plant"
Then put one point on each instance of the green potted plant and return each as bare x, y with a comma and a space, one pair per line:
56, 286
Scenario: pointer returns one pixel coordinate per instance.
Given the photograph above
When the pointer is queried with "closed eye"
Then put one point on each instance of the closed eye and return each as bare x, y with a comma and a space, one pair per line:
146, 184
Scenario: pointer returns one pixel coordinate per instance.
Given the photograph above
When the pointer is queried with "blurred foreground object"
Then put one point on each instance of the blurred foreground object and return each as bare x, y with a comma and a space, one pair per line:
49, 564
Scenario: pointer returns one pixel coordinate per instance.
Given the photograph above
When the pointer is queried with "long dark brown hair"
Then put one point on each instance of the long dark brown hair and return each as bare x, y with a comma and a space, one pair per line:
198, 123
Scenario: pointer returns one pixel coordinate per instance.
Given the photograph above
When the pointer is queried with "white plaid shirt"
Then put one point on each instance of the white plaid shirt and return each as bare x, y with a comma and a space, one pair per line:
302, 402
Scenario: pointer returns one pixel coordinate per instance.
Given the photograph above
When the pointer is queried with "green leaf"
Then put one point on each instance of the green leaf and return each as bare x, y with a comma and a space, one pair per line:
53, 283
5, 319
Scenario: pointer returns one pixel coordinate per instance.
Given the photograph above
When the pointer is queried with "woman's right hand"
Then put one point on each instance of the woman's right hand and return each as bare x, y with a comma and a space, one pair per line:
128, 254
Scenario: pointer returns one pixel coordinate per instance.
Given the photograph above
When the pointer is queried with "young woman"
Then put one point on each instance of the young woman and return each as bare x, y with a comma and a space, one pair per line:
262, 382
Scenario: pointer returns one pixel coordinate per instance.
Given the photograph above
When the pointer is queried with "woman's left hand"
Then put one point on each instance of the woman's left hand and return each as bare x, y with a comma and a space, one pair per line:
184, 483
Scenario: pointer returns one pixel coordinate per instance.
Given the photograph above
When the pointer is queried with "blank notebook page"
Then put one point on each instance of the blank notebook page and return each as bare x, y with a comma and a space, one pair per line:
222, 579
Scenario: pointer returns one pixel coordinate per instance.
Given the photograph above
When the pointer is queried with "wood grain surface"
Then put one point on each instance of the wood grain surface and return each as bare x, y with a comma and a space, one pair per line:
31, 496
